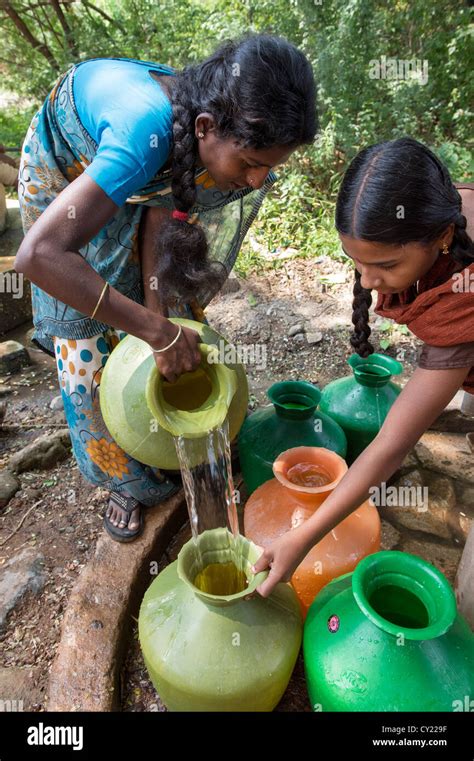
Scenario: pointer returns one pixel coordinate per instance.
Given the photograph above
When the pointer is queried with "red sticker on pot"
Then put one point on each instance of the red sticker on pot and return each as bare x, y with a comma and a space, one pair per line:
333, 624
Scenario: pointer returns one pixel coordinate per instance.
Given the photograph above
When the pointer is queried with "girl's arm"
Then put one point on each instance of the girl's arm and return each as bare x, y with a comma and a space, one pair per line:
424, 398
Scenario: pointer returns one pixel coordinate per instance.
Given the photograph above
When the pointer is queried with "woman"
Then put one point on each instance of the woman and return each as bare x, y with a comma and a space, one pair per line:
113, 164
409, 231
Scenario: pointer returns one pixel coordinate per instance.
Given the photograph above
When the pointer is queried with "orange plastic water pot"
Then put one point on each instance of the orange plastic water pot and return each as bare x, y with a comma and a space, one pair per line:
286, 501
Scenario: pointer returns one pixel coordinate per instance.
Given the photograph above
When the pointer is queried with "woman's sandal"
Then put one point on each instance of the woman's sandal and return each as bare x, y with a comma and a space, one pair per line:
129, 504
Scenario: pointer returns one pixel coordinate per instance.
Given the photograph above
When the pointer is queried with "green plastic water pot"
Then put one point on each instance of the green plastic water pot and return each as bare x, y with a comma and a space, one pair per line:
388, 637
360, 402
143, 412
290, 420
207, 652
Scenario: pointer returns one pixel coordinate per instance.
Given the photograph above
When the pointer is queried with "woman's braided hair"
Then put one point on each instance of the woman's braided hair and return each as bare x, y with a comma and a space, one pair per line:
261, 92
382, 179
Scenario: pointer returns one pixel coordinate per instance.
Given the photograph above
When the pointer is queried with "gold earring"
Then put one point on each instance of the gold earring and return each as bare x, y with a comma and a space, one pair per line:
445, 249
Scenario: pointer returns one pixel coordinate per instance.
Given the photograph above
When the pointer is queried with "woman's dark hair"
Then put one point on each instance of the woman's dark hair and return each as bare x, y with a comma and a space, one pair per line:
261, 92
395, 193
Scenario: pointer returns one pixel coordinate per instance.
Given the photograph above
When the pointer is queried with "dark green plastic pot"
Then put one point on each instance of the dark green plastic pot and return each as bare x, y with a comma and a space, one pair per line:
291, 420
388, 637
360, 402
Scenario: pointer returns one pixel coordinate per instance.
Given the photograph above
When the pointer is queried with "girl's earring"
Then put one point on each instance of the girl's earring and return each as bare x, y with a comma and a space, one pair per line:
200, 134
445, 250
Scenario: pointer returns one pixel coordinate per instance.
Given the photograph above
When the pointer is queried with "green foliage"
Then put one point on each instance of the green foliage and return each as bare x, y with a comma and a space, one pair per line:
391, 333
342, 39
13, 125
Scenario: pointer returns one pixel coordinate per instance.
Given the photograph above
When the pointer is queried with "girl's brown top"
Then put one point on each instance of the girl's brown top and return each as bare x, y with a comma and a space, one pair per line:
440, 311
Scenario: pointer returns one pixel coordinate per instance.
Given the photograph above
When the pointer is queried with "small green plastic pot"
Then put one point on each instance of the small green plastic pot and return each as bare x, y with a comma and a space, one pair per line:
143, 412
290, 420
208, 652
388, 637
360, 402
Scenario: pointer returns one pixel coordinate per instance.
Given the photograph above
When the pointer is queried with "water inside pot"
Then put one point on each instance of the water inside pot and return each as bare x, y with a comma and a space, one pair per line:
221, 579
308, 474
400, 607
189, 392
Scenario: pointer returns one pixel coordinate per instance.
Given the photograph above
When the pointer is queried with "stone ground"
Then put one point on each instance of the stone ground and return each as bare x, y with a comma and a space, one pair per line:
298, 314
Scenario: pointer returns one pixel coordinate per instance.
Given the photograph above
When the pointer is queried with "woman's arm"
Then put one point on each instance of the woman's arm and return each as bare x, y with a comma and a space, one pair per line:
424, 397
49, 256
150, 223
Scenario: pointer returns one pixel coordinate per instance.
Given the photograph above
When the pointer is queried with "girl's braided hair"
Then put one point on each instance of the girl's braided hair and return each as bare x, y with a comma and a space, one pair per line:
261, 92
381, 180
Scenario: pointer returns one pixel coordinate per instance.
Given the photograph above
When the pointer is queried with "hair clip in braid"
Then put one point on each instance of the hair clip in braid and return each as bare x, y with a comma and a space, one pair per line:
182, 215
185, 217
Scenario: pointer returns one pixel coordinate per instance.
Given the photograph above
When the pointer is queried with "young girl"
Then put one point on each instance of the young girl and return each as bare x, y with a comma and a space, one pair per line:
120, 157
409, 232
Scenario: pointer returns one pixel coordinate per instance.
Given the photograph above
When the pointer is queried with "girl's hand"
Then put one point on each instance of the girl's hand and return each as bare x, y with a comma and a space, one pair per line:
182, 357
282, 557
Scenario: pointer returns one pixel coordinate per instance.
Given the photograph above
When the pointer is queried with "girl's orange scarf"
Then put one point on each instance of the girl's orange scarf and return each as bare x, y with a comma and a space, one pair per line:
440, 311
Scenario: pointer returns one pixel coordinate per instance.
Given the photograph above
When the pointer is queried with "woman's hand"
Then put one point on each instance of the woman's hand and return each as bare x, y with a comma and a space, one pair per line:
183, 357
283, 556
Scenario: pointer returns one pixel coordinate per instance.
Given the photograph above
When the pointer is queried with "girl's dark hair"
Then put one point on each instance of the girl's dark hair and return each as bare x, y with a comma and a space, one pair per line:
261, 92
395, 193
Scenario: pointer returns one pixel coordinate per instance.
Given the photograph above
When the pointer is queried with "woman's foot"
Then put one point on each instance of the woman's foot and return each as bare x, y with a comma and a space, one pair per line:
123, 519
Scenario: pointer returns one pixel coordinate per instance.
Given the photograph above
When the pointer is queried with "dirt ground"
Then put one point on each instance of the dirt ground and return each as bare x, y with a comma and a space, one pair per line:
59, 514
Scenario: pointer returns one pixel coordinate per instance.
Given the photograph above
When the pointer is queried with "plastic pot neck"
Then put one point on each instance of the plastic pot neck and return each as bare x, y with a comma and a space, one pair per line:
329, 461
220, 546
294, 400
215, 386
402, 594
375, 370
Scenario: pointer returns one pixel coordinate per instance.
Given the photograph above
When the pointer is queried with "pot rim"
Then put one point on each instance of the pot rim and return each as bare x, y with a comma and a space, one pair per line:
216, 546
305, 394
309, 452
375, 370
417, 576
210, 414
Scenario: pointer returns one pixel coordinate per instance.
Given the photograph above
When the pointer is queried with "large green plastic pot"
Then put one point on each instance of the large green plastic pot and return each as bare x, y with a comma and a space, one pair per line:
143, 412
360, 402
291, 420
388, 637
209, 652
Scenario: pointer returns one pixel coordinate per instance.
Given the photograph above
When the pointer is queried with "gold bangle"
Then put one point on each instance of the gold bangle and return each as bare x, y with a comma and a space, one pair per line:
100, 299
165, 348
